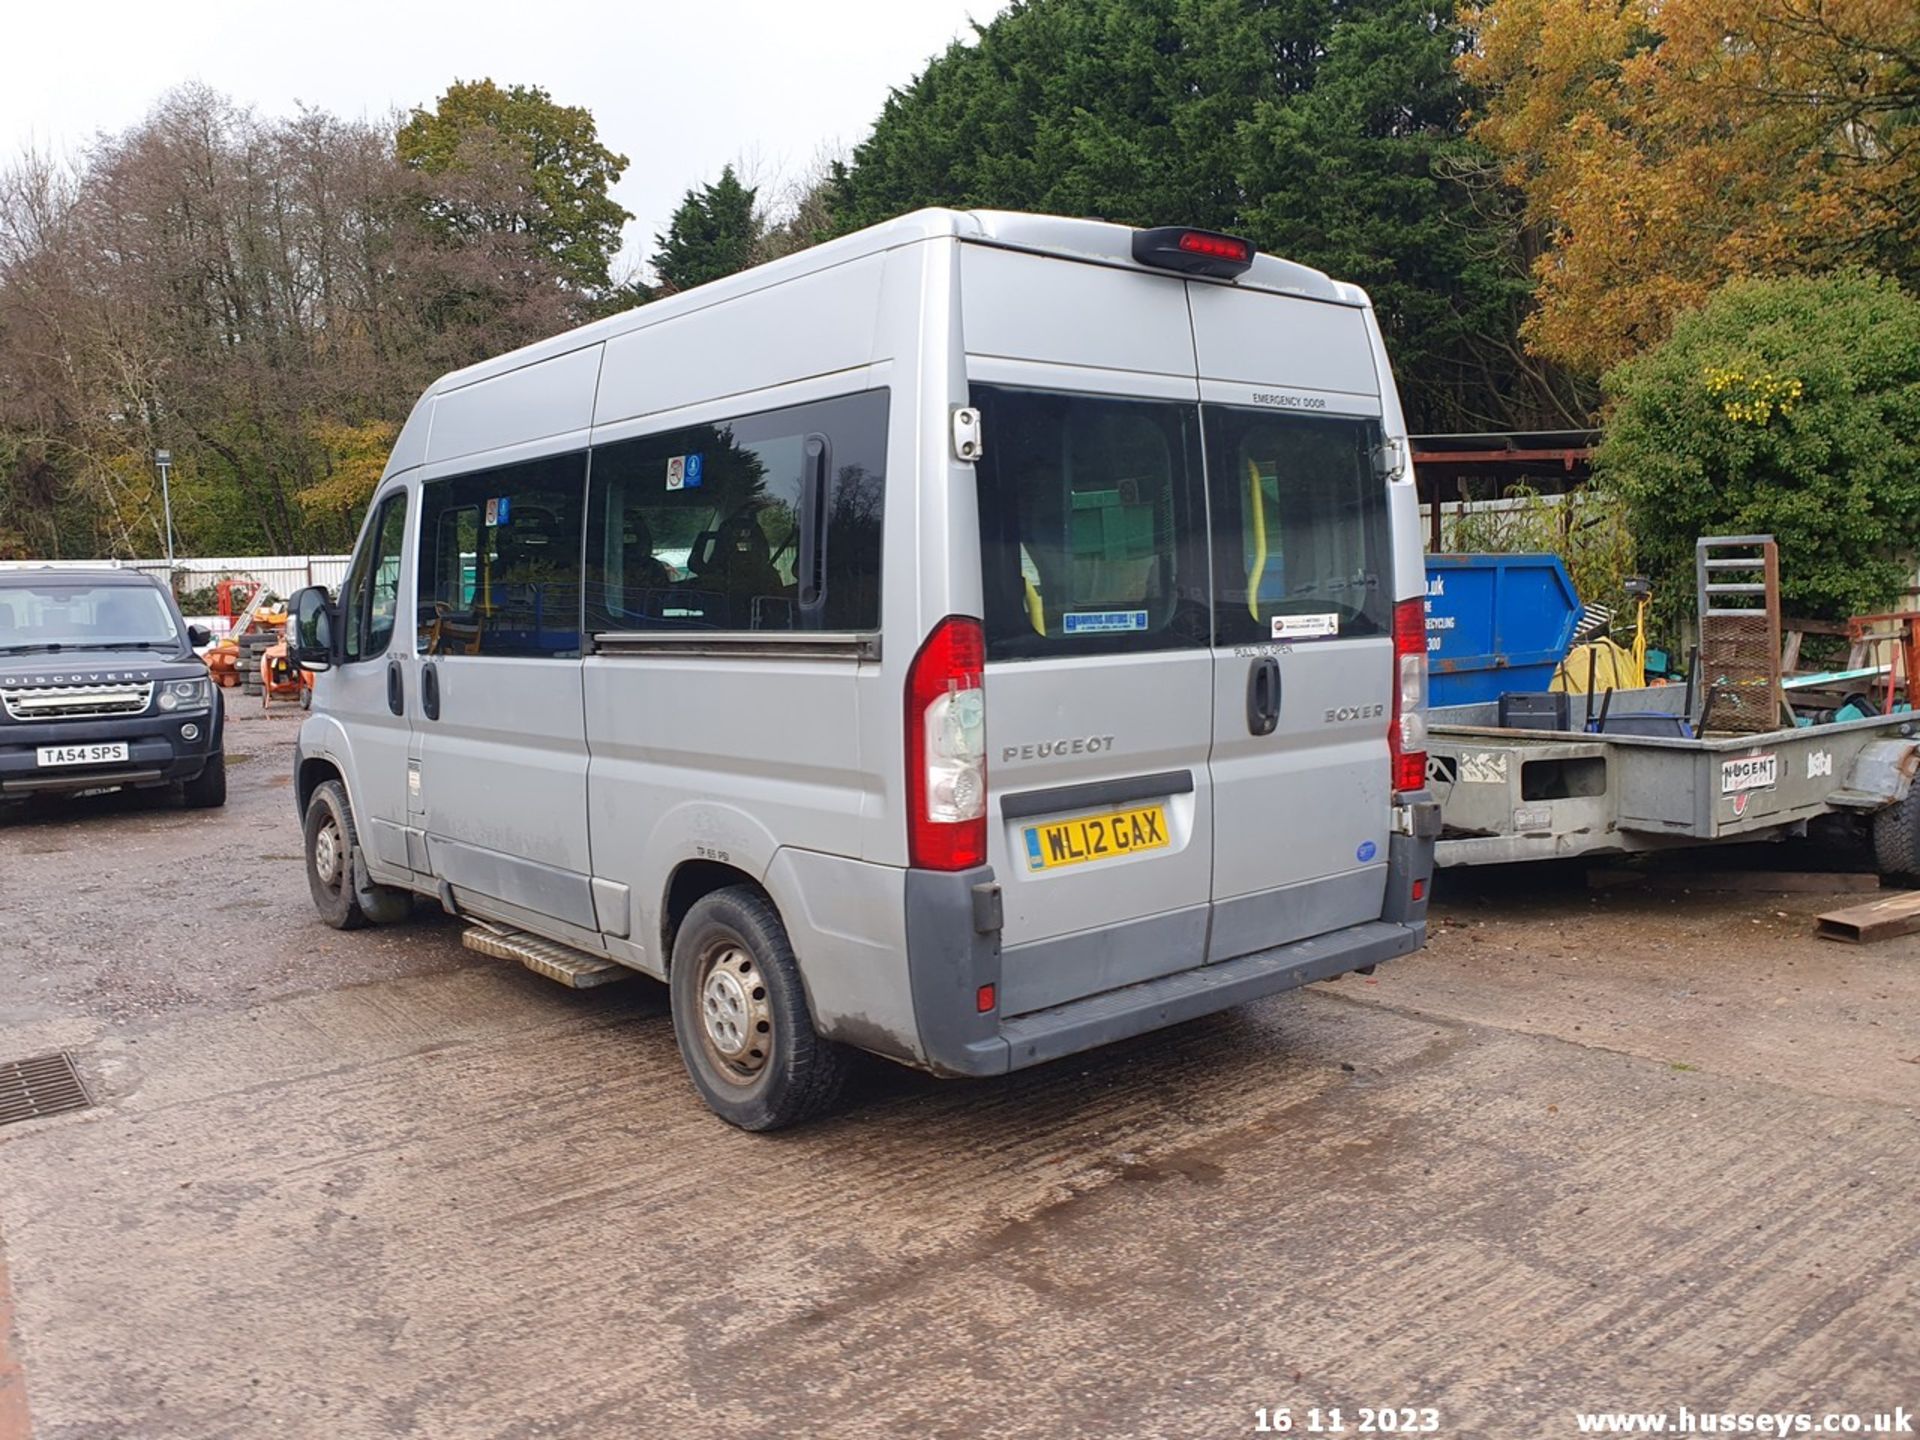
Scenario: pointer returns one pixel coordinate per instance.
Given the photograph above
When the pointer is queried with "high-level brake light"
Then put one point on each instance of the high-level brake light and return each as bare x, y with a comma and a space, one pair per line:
1193, 252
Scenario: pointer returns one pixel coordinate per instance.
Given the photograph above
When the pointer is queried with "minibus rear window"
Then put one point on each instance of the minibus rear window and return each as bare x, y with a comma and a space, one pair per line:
1091, 532
1300, 527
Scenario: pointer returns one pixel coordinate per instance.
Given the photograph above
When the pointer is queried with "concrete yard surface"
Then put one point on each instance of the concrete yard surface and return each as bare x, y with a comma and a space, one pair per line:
1592, 1151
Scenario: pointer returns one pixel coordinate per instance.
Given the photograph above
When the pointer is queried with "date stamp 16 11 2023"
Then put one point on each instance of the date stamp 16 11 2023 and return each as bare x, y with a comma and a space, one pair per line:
1333, 1420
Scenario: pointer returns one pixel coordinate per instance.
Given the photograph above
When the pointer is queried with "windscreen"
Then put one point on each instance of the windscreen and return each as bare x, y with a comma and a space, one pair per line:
78, 615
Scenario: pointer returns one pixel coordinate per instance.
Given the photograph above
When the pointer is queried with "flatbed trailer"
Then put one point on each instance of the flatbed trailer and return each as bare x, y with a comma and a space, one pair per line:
1510, 794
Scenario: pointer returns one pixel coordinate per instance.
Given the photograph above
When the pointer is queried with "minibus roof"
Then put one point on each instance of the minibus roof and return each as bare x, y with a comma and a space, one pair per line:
1095, 241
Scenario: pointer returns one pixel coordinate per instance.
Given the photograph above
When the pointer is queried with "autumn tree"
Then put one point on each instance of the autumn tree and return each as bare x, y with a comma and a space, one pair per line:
479, 134
264, 297
1665, 145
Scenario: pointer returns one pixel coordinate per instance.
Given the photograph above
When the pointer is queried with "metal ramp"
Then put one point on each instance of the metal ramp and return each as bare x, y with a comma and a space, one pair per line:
562, 963
1737, 589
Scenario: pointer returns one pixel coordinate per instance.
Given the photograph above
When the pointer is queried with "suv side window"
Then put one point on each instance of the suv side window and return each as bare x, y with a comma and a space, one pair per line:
499, 567
371, 596
766, 522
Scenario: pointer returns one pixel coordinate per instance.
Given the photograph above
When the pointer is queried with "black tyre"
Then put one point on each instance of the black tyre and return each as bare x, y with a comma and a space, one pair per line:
1896, 839
333, 851
741, 1019
208, 789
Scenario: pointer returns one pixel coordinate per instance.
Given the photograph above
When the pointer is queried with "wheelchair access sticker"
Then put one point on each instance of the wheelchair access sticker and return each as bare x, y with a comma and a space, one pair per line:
683, 472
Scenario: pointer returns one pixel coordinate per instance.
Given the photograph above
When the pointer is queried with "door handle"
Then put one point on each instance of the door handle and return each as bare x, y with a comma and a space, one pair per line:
1263, 696
430, 691
396, 688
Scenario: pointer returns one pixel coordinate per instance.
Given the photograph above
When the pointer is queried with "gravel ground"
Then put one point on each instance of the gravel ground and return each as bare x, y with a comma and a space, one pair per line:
1594, 1149
124, 907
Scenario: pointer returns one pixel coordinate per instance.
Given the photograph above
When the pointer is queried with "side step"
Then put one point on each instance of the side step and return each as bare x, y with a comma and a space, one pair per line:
571, 967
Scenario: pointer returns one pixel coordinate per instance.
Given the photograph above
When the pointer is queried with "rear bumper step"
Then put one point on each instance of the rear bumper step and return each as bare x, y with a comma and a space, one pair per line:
1044, 1035
562, 963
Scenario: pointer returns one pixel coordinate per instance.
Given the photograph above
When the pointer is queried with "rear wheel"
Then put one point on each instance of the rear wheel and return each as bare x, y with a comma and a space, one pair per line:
1896, 839
740, 1016
332, 849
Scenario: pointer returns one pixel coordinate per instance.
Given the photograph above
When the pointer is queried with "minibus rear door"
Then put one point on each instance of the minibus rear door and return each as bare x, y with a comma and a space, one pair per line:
1098, 686
1303, 617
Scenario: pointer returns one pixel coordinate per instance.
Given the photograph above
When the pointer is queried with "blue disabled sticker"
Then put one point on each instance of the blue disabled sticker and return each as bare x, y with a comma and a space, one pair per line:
1367, 851
1100, 622
506, 510
692, 481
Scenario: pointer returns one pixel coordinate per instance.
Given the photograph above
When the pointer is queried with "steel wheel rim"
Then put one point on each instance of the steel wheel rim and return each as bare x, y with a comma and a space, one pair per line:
326, 854
736, 1019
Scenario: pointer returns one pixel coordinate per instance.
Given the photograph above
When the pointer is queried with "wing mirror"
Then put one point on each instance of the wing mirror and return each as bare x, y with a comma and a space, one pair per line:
199, 636
310, 628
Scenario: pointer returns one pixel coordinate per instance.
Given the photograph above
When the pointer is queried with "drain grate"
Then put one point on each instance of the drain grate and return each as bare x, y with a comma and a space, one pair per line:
43, 1085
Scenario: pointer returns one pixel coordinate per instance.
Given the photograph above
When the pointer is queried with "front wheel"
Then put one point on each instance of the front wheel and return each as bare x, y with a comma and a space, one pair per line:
208, 789
740, 1016
333, 847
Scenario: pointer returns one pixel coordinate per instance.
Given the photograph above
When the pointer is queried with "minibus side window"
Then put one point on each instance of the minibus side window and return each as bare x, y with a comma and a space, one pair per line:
499, 570
1092, 536
371, 595
1300, 526
766, 522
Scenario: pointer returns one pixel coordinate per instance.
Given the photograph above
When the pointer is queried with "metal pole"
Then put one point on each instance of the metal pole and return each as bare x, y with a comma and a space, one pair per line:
164, 458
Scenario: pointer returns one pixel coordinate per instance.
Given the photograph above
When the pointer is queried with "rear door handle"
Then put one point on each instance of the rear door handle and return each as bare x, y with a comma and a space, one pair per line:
430, 691
396, 688
1263, 696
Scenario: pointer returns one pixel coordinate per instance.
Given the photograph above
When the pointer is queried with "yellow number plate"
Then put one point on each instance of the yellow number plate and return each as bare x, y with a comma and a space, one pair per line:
1096, 837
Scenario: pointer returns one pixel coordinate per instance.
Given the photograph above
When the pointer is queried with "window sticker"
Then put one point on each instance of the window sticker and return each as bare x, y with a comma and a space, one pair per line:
1104, 622
1304, 627
691, 472
676, 472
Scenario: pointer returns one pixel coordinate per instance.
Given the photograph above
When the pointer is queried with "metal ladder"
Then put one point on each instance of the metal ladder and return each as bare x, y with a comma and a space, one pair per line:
1737, 591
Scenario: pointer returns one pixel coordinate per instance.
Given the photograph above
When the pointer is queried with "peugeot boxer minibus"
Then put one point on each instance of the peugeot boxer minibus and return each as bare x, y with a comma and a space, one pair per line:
971, 641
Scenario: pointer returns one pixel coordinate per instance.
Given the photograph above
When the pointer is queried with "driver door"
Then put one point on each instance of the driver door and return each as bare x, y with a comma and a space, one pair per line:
367, 690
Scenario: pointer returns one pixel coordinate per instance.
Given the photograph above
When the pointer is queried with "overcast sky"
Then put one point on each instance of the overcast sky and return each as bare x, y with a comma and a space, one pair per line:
680, 89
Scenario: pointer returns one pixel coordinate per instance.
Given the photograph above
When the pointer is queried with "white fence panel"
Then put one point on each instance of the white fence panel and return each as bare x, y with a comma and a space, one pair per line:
281, 574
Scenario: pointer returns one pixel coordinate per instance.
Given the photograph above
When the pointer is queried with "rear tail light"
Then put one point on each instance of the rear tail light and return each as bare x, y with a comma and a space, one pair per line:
947, 749
1407, 738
